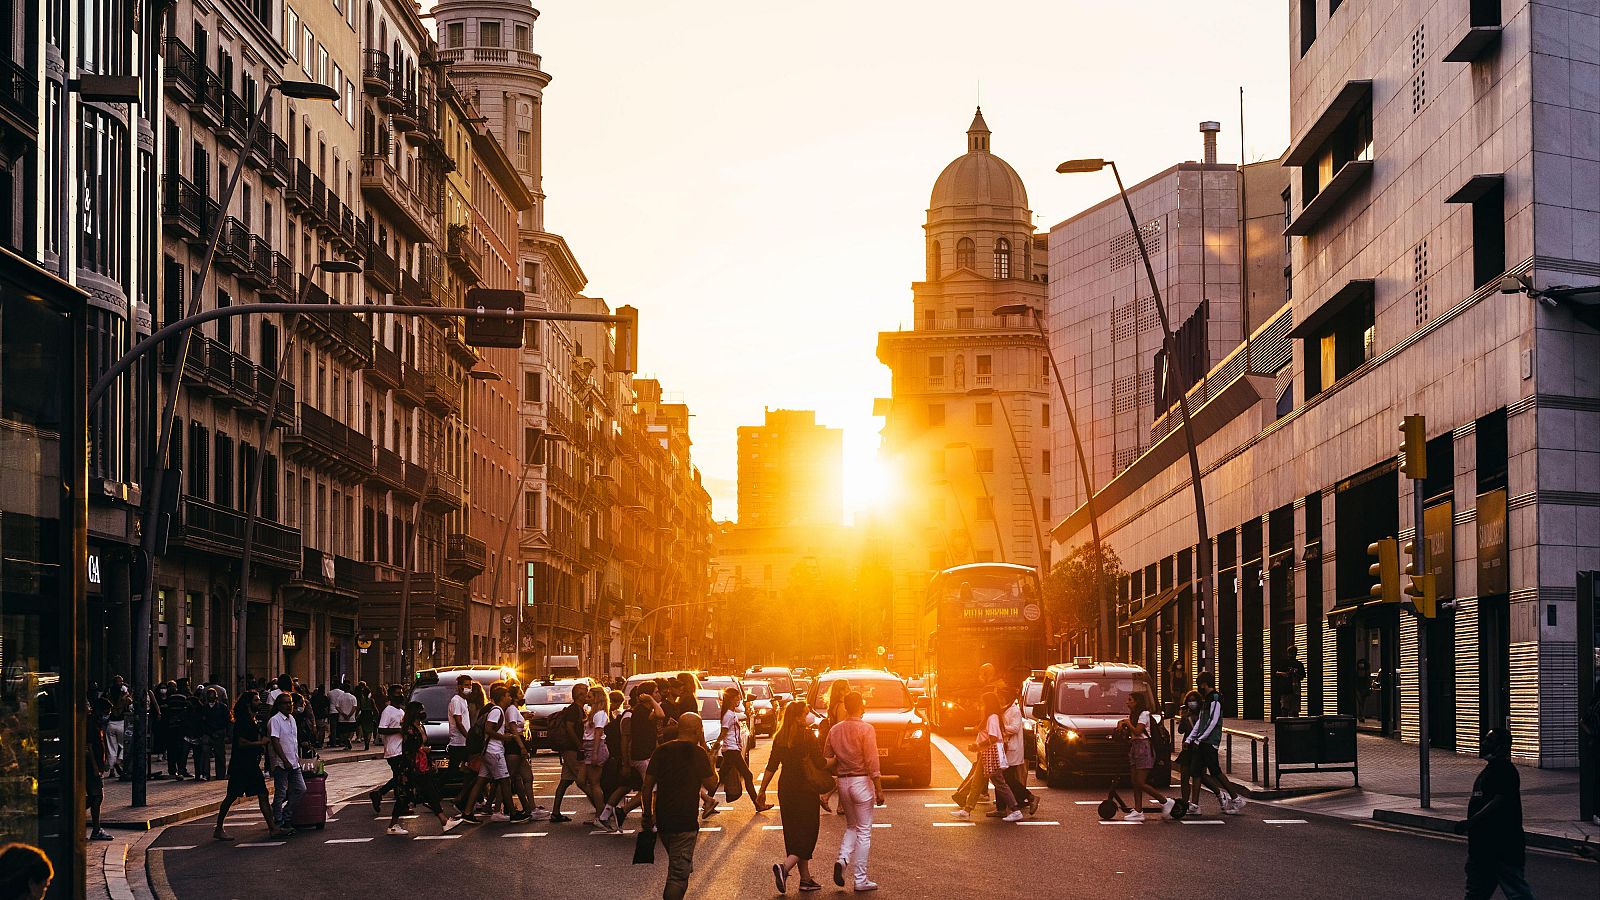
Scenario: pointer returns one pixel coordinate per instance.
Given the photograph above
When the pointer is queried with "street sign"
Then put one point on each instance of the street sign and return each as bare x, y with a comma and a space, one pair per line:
364, 644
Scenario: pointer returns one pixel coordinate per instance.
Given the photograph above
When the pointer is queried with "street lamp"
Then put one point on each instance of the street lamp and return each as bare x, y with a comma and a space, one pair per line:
139, 739
1027, 481
241, 602
1180, 365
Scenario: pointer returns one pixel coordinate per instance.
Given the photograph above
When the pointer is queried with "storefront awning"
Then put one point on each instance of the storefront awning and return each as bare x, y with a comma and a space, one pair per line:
1342, 613
1155, 605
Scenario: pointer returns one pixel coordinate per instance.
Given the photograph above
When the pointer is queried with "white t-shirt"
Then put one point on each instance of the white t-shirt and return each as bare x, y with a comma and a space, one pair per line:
344, 703
492, 747
287, 733
1144, 719
731, 738
515, 723
393, 744
458, 708
594, 727
1013, 726
272, 696
991, 727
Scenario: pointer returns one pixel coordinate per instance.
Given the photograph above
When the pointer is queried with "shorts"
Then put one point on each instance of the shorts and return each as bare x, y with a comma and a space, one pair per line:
94, 786
494, 766
1203, 759
571, 767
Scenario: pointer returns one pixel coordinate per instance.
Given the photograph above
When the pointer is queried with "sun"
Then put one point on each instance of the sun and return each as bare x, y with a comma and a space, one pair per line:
872, 484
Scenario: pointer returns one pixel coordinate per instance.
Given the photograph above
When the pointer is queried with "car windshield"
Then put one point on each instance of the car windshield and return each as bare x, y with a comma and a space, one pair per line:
781, 684
435, 699
547, 695
1098, 696
711, 709
879, 693
757, 690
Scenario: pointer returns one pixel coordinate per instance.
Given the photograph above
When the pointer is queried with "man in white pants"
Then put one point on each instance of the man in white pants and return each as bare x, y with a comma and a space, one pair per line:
853, 748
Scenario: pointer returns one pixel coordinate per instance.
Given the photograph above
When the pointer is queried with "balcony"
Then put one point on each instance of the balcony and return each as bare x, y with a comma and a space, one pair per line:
390, 196
444, 494
464, 257
206, 527
346, 335
385, 367
522, 60
375, 72
297, 192
381, 270
317, 207
259, 271
417, 479
279, 168
321, 440
246, 392
403, 113
181, 73
266, 382
235, 119
233, 248
279, 286
412, 291
360, 240
319, 572
411, 388
206, 107
389, 469
455, 343
440, 393
185, 210
430, 271
465, 556
194, 366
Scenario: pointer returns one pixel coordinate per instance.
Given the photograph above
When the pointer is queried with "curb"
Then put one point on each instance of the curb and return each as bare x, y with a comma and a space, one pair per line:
211, 806
1441, 825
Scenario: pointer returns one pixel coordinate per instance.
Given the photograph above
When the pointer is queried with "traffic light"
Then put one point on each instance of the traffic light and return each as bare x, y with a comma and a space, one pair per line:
494, 331
1414, 444
627, 326
1421, 588
1386, 569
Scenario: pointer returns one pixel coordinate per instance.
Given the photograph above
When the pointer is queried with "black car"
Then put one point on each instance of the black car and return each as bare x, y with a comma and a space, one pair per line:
1075, 722
905, 747
541, 701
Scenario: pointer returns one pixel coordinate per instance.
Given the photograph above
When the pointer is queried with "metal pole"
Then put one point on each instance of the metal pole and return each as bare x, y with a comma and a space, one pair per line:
994, 519
1419, 562
1027, 482
139, 738
409, 558
1175, 362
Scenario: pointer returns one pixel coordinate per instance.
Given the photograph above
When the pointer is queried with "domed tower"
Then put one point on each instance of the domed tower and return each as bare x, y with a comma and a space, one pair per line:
978, 216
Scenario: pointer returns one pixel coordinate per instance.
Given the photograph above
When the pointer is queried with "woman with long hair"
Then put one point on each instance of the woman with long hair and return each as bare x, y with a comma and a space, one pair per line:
796, 751
992, 757
1141, 759
416, 779
244, 766
835, 714
596, 752
731, 741
366, 715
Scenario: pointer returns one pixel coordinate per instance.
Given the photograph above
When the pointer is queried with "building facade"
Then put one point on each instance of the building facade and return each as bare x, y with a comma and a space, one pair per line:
967, 423
1424, 172
791, 471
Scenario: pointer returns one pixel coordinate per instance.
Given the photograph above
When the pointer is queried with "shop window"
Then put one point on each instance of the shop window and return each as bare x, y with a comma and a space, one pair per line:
1340, 341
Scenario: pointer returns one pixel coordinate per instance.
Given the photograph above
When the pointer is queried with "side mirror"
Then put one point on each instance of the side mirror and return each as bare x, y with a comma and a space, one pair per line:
921, 704
1040, 711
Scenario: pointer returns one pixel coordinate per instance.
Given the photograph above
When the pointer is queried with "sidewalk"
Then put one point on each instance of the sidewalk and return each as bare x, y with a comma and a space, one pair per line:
170, 801
1389, 790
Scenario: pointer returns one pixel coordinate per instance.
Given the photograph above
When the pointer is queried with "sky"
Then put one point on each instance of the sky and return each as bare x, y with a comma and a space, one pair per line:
753, 176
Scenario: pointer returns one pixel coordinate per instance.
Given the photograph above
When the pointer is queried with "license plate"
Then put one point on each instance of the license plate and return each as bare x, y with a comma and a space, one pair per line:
883, 751
540, 733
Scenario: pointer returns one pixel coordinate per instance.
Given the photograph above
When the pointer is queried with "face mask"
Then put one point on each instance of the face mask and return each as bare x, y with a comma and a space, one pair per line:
466, 691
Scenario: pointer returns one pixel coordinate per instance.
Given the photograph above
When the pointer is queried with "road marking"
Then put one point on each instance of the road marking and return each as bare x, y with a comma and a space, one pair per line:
436, 837
941, 805
347, 841
387, 818
1087, 802
179, 847
772, 828
1118, 822
629, 831
1036, 822
882, 825
526, 834
954, 824
957, 758
1200, 822
1285, 821
262, 844
724, 809
710, 828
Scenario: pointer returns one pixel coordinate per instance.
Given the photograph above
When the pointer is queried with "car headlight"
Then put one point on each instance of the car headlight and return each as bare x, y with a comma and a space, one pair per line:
916, 734
1072, 734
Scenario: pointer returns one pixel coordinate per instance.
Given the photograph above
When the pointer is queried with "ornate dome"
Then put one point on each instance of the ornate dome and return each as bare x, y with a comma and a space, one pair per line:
978, 178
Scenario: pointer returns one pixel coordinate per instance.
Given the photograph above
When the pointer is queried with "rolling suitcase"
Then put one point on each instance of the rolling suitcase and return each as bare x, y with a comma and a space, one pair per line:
312, 810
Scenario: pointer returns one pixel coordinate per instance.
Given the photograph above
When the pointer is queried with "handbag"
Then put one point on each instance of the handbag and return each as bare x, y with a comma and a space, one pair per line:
816, 779
644, 846
989, 758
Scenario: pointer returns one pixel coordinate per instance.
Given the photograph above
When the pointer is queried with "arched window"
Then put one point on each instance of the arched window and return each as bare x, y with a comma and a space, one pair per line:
934, 262
966, 253
1002, 258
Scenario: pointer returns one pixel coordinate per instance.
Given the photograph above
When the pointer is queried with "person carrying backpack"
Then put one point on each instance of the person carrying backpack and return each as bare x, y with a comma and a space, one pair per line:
1137, 728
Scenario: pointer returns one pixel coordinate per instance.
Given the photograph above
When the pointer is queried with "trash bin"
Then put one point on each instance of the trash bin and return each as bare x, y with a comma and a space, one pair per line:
1315, 744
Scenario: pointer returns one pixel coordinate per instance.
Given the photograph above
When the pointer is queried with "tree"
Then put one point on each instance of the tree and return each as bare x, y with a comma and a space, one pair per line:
1069, 589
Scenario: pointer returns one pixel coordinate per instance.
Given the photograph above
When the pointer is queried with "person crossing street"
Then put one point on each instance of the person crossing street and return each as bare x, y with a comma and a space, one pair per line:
853, 750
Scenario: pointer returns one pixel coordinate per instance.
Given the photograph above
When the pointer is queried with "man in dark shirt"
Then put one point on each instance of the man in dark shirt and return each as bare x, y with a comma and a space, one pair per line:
1495, 843
678, 770
566, 735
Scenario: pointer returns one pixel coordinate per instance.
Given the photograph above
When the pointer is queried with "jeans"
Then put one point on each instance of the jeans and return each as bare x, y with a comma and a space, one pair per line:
288, 784
972, 786
1004, 800
680, 862
1483, 876
116, 734
212, 748
855, 795
737, 768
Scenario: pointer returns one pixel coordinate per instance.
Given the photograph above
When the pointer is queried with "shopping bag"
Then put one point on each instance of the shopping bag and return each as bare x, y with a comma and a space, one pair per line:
644, 846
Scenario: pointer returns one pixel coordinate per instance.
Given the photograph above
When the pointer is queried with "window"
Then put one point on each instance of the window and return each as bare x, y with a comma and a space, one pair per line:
224, 324
985, 414
985, 508
200, 461
531, 509
930, 320
489, 33
1308, 25
935, 367
308, 50
455, 34
985, 364
524, 37
1489, 235
103, 162
935, 415
1044, 415
1044, 461
1350, 141
530, 283
1342, 342
222, 485
532, 446
1044, 508
524, 151
291, 33
984, 459
532, 387
966, 253
935, 262
1002, 258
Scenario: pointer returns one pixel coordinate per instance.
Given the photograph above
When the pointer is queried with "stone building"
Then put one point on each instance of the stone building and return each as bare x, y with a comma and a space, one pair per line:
1429, 176
966, 425
791, 471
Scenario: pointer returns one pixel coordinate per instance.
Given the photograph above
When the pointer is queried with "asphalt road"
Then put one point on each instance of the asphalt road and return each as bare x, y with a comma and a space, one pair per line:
918, 851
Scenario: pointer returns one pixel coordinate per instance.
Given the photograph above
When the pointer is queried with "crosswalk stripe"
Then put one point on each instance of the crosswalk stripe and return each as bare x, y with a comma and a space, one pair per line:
710, 828
1036, 822
1285, 821
1118, 822
1200, 822
1086, 802
525, 834
436, 837
772, 828
954, 824
882, 824
347, 841
178, 847
262, 844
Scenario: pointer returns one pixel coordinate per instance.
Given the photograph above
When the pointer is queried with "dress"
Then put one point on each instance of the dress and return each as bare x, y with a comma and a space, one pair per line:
798, 805
244, 765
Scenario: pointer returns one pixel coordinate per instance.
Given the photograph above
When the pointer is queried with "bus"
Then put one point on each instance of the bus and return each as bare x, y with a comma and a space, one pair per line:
981, 613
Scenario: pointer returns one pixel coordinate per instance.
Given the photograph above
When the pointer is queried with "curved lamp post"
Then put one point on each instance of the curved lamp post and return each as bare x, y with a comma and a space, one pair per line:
1022, 466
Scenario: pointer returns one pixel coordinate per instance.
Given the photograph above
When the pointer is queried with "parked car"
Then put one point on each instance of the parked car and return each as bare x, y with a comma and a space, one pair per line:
541, 701
434, 688
711, 713
905, 747
1075, 720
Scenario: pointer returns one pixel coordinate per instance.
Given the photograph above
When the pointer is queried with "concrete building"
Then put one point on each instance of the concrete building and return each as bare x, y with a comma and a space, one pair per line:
791, 471
1436, 150
966, 425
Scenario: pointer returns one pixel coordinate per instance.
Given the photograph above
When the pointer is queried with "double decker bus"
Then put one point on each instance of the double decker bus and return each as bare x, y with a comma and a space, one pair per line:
981, 613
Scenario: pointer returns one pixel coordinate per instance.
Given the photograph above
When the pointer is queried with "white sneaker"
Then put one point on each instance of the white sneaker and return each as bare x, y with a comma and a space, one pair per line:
397, 829
499, 817
607, 813
1237, 806
1133, 815
961, 814
1014, 816
540, 814
866, 886
1166, 807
